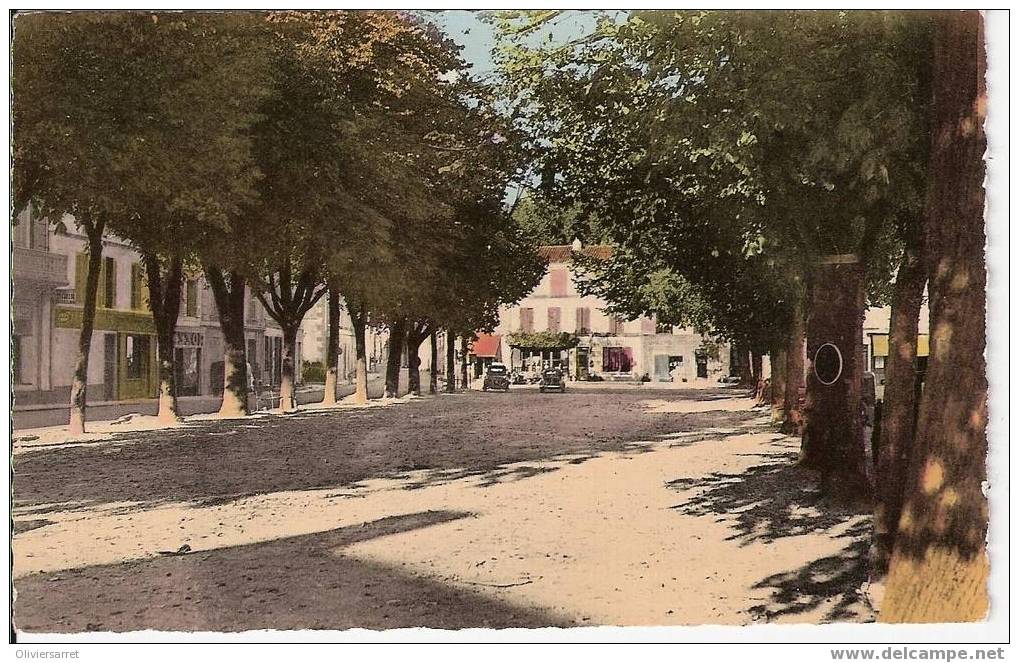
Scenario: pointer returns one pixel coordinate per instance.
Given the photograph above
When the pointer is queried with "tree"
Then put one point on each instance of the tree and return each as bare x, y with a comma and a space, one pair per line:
328, 158
939, 567
116, 118
709, 134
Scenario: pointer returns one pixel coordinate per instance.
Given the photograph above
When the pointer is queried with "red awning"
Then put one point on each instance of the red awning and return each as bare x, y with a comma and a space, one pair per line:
487, 345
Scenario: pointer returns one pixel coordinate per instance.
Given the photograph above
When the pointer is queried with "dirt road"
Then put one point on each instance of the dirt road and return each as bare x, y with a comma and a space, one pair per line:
498, 510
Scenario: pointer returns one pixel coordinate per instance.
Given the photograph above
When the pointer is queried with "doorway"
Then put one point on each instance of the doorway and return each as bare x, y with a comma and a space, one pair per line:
109, 367
137, 379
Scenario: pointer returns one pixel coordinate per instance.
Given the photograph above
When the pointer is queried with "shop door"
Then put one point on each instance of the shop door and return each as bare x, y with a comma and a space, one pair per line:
109, 367
702, 365
186, 366
137, 366
662, 368
583, 363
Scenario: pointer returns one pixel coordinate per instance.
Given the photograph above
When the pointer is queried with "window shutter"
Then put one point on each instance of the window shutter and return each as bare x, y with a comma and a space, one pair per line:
80, 275
110, 279
40, 234
191, 306
136, 294
553, 319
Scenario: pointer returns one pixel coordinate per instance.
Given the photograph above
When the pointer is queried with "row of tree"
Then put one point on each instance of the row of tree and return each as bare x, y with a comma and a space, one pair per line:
290, 155
765, 176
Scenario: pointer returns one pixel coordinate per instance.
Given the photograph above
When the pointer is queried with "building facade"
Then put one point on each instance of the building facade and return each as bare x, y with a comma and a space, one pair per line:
49, 270
875, 343
557, 326
316, 335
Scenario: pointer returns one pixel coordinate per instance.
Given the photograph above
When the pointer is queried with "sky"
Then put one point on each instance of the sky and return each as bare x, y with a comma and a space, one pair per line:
467, 29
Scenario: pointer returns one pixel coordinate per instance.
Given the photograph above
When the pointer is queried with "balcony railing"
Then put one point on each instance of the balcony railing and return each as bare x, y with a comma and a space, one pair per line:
40, 267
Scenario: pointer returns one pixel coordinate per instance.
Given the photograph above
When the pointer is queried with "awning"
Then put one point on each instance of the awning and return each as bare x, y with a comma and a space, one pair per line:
880, 345
487, 345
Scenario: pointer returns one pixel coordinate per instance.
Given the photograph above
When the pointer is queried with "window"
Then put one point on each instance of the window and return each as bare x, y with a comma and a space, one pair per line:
137, 354
191, 298
252, 306
583, 320
879, 362
557, 282
554, 316
526, 319
39, 236
106, 290
615, 325
108, 283
139, 288
617, 360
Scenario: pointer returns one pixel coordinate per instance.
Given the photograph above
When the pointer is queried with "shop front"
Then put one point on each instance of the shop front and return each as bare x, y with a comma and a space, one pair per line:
531, 352
187, 362
130, 369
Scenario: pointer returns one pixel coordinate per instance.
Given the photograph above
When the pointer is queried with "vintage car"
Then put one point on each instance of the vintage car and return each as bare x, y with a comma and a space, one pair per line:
552, 380
497, 378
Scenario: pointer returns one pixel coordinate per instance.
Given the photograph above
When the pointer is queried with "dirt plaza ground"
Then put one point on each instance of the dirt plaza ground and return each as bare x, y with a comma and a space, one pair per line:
611, 506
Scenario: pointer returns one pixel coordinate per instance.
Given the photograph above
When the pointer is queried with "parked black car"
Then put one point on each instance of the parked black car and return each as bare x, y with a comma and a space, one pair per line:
497, 377
552, 380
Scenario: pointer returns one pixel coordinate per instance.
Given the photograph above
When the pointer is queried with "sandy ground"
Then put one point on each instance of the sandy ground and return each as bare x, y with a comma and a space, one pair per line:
501, 510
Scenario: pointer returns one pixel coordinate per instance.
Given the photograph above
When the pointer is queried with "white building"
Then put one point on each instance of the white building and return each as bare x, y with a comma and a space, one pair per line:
49, 276
594, 343
316, 333
875, 341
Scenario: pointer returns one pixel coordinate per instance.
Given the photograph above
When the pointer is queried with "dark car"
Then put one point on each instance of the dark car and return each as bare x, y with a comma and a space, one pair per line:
552, 380
497, 378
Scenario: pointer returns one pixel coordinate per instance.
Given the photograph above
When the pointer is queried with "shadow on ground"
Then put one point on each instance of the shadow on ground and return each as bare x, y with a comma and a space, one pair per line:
474, 434
765, 502
830, 585
778, 499
301, 582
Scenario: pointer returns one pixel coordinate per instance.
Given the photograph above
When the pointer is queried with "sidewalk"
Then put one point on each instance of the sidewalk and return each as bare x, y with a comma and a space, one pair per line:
40, 416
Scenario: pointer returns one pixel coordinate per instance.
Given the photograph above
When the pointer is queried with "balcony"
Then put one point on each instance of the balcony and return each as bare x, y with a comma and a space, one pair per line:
39, 267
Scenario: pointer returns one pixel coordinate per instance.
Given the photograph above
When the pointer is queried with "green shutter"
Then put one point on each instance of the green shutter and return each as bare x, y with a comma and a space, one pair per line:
110, 278
135, 288
80, 275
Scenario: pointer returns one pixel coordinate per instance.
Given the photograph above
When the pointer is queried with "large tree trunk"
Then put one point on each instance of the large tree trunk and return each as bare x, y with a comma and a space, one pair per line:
833, 438
359, 320
397, 341
229, 297
287, 298
739, 363
416, 335
450, 361
939, 567
777, 357
332, 347
465, 382
288, 376
164, 302
792, 413
433, 365
79, 383
898, 410
757, 370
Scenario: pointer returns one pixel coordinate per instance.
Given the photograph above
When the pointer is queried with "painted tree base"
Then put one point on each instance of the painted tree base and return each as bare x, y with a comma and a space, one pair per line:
943, 587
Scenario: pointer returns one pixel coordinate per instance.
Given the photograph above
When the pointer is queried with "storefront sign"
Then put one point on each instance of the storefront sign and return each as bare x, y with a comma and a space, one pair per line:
67, 317
187, 339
